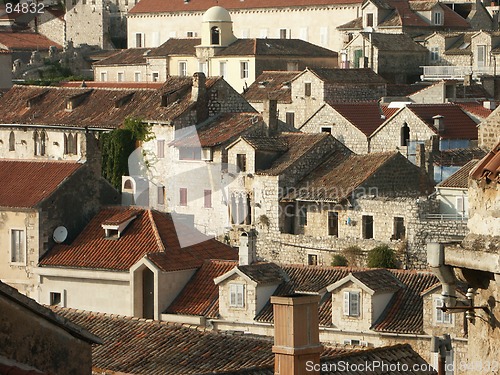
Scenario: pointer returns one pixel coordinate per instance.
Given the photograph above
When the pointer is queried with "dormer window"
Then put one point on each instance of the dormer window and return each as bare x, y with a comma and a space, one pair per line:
437, 18
236, 295
116, 225
369, 20
241, 162
352, 304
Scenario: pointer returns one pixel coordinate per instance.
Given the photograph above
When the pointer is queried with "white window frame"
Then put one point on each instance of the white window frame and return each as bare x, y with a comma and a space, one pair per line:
155, 76
437, 18
155, 39
120, 74
203, 67
223, 68
237, 295
137, 76
182, 72
439, 315
321, 129
434, 53
142, 40
104, 76
160, 148
323, 36
244, 69
352, 303
304, 34
160, 195
22, 249
62, 303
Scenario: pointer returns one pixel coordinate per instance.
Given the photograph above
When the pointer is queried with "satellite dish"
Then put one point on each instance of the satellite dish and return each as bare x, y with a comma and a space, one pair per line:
60, 234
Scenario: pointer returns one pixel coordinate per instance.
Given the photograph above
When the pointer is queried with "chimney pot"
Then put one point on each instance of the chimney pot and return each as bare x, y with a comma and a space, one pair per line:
199, 95
439, 123
491, 105
246, 251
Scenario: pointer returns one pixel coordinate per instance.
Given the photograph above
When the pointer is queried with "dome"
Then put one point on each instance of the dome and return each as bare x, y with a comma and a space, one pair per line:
216, 14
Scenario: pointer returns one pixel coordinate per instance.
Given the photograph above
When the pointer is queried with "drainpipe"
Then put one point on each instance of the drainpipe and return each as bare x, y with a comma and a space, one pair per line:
445, 274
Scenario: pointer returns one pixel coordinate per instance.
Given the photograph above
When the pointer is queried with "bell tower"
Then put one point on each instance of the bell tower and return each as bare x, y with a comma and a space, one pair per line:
217, 28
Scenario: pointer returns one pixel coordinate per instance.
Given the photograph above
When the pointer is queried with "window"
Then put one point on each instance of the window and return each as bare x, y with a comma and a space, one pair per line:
240, 208
323, 36
333, 224
290, 119
351, 304
303, 33
17, 246
405, 134
282, 33
182, 68
222, 68
120, 76
461, 204
155, 77
104, 76
215, 35
437, 18
434, 53
367, 226
326, 129
55, 298
70, 144
202, 67
39, 140
139, 40
369, 20
307, 89
188, 153
244, 69
12, 142
236, 297
183, 196
191, 34
312, 259
481, 55
399, 228
441, 316
155, 39
160, 194
207, 198
241, 162
160, 148
137, 77
303, 216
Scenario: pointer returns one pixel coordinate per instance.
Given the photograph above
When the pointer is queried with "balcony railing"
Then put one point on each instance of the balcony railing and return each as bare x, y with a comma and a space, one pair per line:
446, 217
432, 73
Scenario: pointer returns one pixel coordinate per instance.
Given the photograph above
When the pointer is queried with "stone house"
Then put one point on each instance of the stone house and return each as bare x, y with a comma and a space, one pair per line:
396, 57
26, 47
476, 261
37, 198
62, 347
132, 252
350, 123
314, 22
447, 48
489, 130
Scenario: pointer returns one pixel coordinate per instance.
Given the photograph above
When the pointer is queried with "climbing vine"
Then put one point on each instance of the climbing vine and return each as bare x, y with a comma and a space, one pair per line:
117, 145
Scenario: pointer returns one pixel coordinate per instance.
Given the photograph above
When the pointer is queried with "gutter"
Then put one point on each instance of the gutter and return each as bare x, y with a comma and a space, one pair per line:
86, 128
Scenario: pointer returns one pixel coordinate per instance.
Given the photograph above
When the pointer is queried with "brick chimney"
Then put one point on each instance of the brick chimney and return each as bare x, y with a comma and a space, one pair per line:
296, 334
246, 249
199, 95
270, 116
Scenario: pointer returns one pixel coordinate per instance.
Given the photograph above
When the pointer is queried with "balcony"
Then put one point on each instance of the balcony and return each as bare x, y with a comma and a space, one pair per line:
436, 73
447, 217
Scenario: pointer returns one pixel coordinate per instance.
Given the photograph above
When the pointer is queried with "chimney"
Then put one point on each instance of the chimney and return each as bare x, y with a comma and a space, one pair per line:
246, 250
439, 123
270, 116
489, 105
420, 157
199, 95
296, 334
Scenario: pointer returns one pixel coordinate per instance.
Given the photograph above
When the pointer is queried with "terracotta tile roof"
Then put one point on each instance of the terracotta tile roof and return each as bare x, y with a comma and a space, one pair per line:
28, 183
14, 370
403, 90
131, 56
488, 168
459, 179
113, 85
150, 234
264, 143
200, 296
457, 124
277, 84
378, 280
355, 24
222, 129
275, 47
26, 303
264, 273
158, 6
173, 46
366, 116
458, 157
394, 42
342, 174
475, 108
356, 76
101, 108
26, 41
462, 45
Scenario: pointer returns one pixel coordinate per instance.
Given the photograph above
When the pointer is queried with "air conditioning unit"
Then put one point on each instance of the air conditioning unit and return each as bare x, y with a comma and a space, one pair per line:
206, 154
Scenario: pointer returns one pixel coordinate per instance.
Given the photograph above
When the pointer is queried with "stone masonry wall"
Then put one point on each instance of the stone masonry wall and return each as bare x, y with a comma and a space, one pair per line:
489, 130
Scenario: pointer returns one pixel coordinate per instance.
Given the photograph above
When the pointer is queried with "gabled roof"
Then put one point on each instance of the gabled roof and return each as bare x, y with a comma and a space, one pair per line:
389, 42
275, 47
26, 184
200, 296
9, 293
458, 157
362, 76
488, 168
256, 273
151, 234
25, 41
459, 179
158, 6
275, 83
372, 281
475, 108
131, 56
174, 46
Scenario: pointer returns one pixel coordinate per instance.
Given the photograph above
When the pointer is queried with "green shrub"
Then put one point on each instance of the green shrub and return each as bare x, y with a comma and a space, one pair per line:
339, 261
382, 257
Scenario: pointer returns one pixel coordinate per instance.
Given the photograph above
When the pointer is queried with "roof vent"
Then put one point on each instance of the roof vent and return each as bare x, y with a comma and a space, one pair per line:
36, 99
439, 123
120, 102
75, 100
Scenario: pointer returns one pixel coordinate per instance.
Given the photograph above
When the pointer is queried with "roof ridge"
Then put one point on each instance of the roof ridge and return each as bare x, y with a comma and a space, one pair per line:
156, 233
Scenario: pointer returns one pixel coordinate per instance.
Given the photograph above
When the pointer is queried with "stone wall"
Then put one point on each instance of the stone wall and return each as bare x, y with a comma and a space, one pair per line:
87, 23
489, 130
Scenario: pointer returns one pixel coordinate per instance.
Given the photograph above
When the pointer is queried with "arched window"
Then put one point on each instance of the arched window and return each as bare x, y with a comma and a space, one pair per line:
75, 144
405, 134
69, 142
128, 185
215, 35
36, 141
43, 136
12, 142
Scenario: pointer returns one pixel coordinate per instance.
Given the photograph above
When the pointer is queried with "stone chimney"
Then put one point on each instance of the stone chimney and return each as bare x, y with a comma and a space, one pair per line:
296, 334
246, 250
270, 116
439, 123
420, 157
199, 95
489, 104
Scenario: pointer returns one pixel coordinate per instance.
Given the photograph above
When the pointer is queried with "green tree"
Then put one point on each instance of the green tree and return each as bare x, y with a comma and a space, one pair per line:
382, 257
339, 261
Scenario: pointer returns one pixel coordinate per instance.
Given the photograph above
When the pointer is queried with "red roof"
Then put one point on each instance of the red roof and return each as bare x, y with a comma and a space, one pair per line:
489, 167
113, 85
475, 108
26, 41
150, 234
457, 124
27, 183
153, 6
